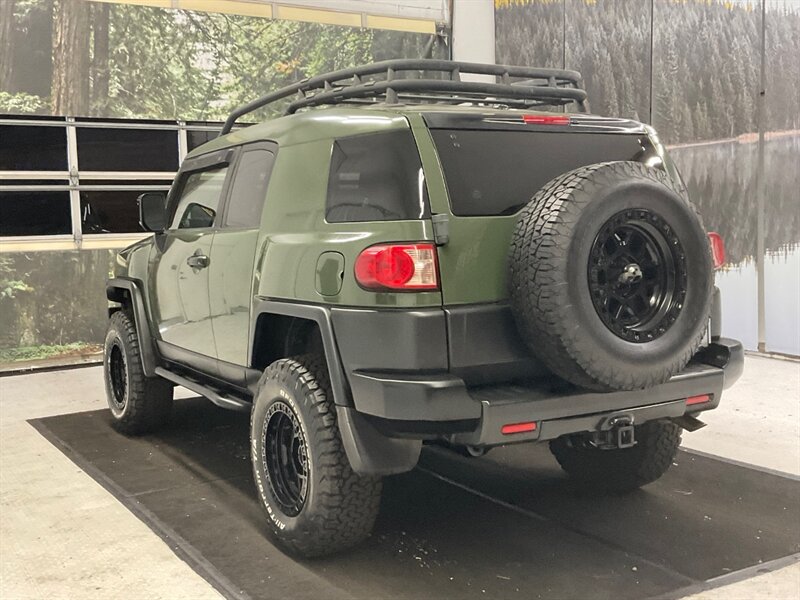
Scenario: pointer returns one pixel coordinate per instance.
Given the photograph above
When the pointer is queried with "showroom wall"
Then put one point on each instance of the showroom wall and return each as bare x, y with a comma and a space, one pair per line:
699, 88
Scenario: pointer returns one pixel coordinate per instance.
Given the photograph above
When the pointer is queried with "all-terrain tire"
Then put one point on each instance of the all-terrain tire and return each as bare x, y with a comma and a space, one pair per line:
555, 253
139, 404
338, 508
623, 469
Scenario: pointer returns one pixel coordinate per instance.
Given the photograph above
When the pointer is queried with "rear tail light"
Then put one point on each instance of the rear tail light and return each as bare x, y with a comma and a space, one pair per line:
717, 249
403, 267
518, 427
701, 399
546, 119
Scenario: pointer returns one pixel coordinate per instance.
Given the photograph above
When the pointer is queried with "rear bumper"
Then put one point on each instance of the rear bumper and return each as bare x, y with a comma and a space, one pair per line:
404, 401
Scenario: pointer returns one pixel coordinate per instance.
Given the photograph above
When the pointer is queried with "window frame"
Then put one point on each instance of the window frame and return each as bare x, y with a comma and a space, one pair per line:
76, 181
218, 159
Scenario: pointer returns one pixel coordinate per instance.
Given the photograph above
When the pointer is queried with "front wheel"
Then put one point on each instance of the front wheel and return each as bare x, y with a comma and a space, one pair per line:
315, 504
623, 469
139, 404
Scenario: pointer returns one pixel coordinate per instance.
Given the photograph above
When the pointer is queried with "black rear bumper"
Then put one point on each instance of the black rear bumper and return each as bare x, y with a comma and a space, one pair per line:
401, 402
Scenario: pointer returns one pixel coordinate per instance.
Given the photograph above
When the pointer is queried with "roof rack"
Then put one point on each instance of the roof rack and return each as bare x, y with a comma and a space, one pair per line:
408, 81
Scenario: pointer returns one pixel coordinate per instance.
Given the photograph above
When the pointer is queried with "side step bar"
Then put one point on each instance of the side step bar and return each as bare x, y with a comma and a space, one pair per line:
228, 402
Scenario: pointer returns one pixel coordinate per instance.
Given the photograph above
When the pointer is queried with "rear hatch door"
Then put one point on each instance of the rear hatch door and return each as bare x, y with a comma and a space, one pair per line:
489, 167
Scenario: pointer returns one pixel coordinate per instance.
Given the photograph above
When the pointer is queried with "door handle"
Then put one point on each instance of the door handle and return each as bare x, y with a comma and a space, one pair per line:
198, 260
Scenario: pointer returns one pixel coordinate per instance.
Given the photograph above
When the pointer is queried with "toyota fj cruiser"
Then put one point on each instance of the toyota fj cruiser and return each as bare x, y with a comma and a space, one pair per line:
408, 257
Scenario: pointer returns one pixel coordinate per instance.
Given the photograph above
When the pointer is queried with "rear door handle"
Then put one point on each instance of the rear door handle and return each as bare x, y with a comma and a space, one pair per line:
198, 260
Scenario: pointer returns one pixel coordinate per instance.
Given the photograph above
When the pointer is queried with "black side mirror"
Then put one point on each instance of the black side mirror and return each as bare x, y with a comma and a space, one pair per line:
153, 211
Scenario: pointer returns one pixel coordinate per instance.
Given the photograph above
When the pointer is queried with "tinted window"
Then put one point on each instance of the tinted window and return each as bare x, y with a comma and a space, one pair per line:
376, 177
498, 172
34, 213
33, 148
102, 149
249, 188
198, 200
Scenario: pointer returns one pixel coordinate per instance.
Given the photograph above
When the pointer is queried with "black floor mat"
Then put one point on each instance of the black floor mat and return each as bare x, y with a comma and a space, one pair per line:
508, 525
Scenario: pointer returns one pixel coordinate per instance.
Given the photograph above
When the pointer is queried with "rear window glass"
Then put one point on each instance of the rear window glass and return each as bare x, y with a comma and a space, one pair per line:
490, 172
376, 177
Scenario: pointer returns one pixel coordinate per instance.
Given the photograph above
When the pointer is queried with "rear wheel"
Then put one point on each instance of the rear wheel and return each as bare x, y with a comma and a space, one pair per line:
139, 404
624, 469
315, 503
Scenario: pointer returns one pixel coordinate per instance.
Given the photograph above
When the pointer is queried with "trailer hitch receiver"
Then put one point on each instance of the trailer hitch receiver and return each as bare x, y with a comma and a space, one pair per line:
616, 432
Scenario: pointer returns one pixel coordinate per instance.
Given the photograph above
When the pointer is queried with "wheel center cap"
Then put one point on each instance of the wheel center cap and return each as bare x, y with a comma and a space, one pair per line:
632, 273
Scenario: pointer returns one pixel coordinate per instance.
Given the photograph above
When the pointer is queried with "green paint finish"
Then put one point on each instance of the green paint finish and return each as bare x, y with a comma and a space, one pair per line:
330, 273
294, 234
230, 291
472, 265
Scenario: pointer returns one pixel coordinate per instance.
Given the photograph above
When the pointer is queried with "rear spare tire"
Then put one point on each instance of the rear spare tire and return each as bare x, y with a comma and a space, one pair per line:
611, 277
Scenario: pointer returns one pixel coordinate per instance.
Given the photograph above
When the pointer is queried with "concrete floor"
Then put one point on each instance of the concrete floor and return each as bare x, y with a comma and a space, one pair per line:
63, 535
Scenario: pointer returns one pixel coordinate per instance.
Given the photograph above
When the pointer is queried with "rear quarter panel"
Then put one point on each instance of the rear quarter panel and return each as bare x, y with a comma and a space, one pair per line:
294, 234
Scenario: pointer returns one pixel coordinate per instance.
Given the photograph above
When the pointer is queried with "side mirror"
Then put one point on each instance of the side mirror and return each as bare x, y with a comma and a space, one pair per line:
153, 211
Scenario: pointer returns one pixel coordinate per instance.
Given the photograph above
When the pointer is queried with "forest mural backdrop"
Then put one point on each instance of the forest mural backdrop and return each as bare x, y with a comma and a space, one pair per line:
689, 67
80, 58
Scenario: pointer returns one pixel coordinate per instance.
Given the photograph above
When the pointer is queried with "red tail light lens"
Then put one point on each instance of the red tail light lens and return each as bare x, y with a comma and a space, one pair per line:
717, 249
409, 267
518, 427
546, 119
701, 399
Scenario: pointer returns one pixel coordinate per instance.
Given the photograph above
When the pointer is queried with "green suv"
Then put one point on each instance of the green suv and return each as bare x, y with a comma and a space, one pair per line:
407, 257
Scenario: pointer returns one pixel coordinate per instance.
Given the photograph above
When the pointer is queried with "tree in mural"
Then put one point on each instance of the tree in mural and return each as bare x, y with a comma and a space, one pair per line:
70, 87
6, 24
705, 63
135, 61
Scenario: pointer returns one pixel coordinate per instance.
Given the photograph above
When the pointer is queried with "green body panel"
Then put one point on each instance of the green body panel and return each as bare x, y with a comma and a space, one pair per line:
294, 234
472, 265
330, 273
230, 292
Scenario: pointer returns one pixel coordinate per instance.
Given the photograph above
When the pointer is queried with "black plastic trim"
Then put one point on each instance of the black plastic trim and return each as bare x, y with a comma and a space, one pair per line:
512, 121
322, 316
391, 339
147, 347
484, 345
413, 396
220, 399
716, 315
369, 451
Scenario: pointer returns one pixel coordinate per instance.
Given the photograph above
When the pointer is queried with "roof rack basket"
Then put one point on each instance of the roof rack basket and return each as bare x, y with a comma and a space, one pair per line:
409, 81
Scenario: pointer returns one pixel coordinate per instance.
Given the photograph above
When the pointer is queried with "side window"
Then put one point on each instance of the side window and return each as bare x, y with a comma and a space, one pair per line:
199, 198
376, 177
249, 188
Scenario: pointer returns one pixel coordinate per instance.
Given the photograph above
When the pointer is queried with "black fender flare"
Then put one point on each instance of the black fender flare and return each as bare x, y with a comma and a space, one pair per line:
369, 451
322, 317
147, 347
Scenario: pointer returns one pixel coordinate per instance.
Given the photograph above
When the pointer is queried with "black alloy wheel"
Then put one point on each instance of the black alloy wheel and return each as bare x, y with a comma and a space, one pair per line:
139, 404
611, 279
314, 502
637, 275
118, 376
285, 455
